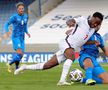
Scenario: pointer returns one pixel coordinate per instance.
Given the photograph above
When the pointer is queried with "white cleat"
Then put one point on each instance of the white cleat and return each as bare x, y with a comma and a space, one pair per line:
63, 84
21, 68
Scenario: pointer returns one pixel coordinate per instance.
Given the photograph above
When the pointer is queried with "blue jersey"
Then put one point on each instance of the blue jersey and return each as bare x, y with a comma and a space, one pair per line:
19, 23
92, 49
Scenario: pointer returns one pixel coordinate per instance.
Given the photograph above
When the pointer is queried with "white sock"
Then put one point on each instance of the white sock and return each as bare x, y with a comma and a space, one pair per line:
38, 66
66, 68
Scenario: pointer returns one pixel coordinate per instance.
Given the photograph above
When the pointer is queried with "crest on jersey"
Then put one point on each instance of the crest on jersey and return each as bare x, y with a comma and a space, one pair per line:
19, 45
22, 22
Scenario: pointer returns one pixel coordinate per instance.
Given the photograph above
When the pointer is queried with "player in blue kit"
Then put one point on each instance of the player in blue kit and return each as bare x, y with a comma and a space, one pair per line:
94, 72
19, 22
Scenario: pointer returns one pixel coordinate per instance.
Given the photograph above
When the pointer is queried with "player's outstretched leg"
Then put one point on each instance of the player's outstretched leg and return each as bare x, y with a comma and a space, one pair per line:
39, 66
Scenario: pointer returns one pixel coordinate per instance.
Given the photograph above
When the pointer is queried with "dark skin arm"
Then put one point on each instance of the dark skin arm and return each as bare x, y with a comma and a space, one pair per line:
93, 42
71, 23
105, 50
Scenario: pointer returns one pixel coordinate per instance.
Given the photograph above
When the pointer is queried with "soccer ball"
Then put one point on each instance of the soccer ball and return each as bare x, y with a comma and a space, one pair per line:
76, 75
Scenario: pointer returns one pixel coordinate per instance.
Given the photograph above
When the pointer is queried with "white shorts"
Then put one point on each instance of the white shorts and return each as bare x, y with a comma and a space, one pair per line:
75, 41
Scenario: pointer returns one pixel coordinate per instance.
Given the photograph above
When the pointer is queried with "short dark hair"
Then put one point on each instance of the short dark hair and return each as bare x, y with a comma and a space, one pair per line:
99, 15
19, 3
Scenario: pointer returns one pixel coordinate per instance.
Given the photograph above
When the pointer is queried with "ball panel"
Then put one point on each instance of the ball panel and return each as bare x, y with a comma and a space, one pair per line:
76, 75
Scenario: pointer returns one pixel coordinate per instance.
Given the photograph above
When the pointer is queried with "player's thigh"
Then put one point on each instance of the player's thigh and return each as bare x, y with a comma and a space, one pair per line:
16, 43
98, 71
60, 56
85, 61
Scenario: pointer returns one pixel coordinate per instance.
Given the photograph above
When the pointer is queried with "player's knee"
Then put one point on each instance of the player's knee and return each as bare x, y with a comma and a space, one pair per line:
70, 54
105, 81
19, 51
88, 63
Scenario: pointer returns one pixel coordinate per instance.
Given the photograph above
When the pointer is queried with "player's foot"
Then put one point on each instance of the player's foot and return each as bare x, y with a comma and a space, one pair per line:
63, 84
9, 69
90, 82
21, 68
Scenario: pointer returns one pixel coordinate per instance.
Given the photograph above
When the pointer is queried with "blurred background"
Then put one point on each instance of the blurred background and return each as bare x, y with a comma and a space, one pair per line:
47, 25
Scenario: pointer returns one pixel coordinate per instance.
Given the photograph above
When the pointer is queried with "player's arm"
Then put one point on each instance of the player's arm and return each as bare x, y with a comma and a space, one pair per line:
71, 23
102, 46
93, 42
26, 31
90, 42
76, 20
8, 23
105, 50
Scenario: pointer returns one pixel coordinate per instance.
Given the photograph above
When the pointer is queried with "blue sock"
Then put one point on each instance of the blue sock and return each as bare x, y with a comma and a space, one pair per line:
98, 80
17, 57
17, 64
89, 73
17, 67
83, 80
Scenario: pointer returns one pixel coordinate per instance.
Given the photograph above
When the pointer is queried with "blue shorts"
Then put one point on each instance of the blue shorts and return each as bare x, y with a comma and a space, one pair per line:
97, 70
18, 44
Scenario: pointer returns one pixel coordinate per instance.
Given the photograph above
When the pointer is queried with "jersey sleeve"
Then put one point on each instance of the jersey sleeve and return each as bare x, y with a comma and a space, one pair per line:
9, 22
78, 19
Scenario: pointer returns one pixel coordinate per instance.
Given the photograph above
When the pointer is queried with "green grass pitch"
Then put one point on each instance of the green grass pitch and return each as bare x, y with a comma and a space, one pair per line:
41, 80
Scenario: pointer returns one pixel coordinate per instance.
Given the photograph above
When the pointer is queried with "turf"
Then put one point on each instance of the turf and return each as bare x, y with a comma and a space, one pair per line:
41, 80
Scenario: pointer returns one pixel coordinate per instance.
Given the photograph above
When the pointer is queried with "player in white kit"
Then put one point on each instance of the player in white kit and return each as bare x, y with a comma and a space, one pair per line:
82, 31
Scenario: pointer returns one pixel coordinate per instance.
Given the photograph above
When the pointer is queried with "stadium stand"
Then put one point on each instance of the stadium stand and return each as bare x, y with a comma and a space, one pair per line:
51, 28
48, 31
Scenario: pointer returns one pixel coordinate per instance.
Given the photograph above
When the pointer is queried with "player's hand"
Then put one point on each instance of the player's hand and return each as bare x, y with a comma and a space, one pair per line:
97, 43
29, 35
68, 32
71, 23
8, 34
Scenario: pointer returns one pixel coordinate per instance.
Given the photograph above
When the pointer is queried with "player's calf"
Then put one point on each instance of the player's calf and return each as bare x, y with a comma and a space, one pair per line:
51, 63
104, 77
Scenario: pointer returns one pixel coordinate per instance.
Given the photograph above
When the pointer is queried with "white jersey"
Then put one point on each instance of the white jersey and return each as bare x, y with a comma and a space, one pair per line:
78, 37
